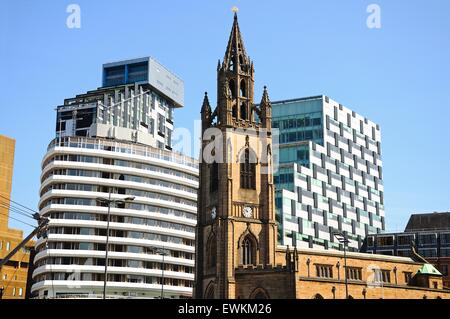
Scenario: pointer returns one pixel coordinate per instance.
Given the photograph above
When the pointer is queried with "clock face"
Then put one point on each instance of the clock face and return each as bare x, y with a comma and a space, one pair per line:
247, 212
213, 212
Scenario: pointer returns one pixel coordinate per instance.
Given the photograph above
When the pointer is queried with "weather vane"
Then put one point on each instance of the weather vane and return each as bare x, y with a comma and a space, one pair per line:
235, 9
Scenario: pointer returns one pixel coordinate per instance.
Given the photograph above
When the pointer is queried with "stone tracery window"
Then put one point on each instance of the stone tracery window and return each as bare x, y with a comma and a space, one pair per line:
243, 89
248, 170
243, 111
211, 249
248, 251
232, 87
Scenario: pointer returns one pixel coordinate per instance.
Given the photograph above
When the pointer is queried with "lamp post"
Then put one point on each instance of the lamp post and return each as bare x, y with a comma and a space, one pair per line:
163, 252
109, 201
308, 261
1, 292
343, 239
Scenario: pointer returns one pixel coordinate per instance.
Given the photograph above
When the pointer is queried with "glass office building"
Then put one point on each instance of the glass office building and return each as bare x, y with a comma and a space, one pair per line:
329, 176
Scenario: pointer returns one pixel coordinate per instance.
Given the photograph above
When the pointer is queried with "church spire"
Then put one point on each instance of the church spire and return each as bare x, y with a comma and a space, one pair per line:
265, 98
206, 108
235, 84
206, 112
235, 52
230, 233
266, 110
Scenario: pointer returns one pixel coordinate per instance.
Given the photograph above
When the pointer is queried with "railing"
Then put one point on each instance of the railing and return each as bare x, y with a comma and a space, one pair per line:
123, 147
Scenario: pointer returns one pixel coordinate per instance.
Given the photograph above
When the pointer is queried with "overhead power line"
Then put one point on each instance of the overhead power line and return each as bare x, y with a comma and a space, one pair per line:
20, 221
23, 206
16, 210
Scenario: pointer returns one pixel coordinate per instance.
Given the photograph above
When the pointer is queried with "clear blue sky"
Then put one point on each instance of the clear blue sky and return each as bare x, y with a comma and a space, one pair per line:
397, 76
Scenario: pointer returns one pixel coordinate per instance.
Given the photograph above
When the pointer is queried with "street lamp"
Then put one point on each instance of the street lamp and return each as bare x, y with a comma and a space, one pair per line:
110, 201
343, 239
163, 252
1, 292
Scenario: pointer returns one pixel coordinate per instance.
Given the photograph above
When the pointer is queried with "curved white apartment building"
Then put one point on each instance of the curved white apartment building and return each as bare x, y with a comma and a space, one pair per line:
76, 172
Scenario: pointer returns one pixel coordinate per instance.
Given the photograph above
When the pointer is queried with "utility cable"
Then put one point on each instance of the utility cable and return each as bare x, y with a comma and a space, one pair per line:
21, 221
32, 210
15, 210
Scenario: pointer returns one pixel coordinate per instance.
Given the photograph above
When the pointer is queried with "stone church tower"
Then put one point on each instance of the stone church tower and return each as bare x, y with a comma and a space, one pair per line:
236, 216
236, 245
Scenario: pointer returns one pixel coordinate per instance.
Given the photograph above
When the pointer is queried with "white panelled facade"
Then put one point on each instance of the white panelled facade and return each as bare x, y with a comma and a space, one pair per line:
76, 172
330, 174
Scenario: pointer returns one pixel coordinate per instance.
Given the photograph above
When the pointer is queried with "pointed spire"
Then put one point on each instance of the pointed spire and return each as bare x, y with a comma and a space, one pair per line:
205, 106
288, 257
265, 110
265, 98
235, 46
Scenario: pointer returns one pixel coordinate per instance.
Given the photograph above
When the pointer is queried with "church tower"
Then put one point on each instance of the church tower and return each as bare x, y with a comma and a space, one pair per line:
236, 216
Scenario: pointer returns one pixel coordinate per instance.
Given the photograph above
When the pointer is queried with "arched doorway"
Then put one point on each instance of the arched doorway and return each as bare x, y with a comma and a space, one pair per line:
259, 293
209, 292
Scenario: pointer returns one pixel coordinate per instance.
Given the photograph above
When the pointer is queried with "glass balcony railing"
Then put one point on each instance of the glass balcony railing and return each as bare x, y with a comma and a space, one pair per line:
123, 147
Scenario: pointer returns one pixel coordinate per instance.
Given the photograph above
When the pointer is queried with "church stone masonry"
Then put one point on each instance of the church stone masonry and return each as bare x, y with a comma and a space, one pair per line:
236, 202
236, 238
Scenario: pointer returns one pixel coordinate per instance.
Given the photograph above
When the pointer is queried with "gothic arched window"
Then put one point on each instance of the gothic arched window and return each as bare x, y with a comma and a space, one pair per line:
209, 294
243, 89
241, 59
234, 112
243, 111
232, 86
211, 251
232, 63
248, 171
248, 251
242, 65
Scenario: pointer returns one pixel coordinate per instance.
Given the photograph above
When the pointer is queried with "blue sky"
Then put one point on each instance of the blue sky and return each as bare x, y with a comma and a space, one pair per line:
397, 76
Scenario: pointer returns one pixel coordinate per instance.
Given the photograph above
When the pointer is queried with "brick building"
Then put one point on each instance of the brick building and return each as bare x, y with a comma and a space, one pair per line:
236, 244
13, 275
428, 233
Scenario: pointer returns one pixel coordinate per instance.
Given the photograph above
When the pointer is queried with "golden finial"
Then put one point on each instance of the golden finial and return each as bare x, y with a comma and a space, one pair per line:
235, 9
